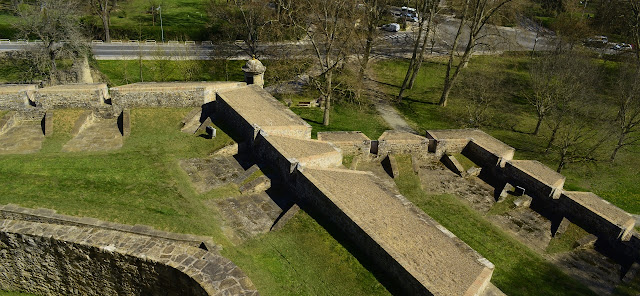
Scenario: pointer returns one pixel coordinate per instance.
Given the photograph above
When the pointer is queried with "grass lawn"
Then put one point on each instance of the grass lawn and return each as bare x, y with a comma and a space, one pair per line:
511, 120
345, 117
143, 183
519, 270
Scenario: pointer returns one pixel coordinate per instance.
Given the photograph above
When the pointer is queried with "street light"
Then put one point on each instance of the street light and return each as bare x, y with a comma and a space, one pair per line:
161, 28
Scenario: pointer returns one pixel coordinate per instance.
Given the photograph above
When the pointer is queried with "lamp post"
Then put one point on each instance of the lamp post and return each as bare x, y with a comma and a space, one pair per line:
161, 28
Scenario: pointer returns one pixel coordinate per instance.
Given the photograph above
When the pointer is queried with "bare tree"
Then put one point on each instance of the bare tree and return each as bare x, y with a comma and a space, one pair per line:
475, 14
481, 90
579, 136
627, 97
374, 12
251, 21
329, 26
56, 23
103, 8
426, 14
556, 78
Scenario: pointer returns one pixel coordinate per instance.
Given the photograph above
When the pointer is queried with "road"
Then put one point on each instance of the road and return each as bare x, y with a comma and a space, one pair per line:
494, 39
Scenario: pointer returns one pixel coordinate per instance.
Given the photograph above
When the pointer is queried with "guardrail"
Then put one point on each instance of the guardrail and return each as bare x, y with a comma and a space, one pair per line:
123, 42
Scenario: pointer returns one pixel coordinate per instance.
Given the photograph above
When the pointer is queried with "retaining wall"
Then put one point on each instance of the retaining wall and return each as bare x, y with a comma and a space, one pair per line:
72, 96
68, 260
538, 180
395, 142
16, 96
169, 94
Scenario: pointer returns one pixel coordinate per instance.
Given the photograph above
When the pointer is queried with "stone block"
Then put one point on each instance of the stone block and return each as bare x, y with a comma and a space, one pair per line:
48, 123
126, 122
453, 164
474, 171
586, 242
523, 201
258, 185
508, 188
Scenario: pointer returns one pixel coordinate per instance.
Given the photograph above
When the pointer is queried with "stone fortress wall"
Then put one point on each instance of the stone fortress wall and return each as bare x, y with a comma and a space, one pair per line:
544, 185
408, 246
46, 253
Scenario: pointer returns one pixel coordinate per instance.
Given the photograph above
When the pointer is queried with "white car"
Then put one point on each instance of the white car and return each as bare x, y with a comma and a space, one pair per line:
392, 27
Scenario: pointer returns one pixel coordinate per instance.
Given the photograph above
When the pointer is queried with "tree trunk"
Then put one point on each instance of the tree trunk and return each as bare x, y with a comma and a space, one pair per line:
327, 102
105, 24
552, 138
619, 145
412, 63
448, 79
365, 60
562, 163
537, 130
418, 64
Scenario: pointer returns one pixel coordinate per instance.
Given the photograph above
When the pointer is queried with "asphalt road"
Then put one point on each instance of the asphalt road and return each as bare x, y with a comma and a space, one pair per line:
494, 39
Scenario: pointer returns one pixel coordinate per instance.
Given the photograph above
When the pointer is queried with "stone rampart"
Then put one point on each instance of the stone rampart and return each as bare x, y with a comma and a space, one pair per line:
412, 250
397, 142
72, 96
596, 215
351, 143
537, 179
246, 110
50, 259
585, 209
168, 94
16, 96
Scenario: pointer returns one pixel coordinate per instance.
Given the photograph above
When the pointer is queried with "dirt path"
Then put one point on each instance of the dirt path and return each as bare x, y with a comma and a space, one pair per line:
381, 101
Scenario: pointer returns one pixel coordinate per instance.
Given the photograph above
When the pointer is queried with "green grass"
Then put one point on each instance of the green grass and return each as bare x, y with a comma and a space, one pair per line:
8, 293
512, 120
344, 117
519, 270
464, 161
125, 72
142, 183
566, 241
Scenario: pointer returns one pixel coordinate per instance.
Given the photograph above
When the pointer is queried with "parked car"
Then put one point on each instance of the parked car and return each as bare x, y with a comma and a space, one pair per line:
600, 39
392, 27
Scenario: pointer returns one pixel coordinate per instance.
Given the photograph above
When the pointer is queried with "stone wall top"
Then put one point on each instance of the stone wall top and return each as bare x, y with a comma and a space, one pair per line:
343, 137
74, 88
254, 104
168, 86
539, 171
479, 137
15, 212
423, 247
602, 208
15, 88
306, 151
400, 136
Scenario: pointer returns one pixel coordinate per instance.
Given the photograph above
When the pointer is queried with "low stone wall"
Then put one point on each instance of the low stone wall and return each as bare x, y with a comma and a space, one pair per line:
63, 260
475, 144
396, 142
72, 96
351, 143
596, 215
168, 94
14, 118
16, 96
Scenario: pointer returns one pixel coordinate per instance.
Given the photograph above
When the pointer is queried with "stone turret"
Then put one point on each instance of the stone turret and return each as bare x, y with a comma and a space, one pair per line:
254, 72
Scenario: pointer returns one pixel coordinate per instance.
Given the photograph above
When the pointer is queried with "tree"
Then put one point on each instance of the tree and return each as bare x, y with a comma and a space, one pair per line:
621, 17
426, 12
251, 21
103, 8
556, 78
56, 23
481, 90
475, 14
374, 13
627, 98
329, 26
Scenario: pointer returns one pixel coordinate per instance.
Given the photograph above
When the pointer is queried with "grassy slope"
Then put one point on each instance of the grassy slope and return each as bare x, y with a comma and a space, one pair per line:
519, 270
614, 182
142, 183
